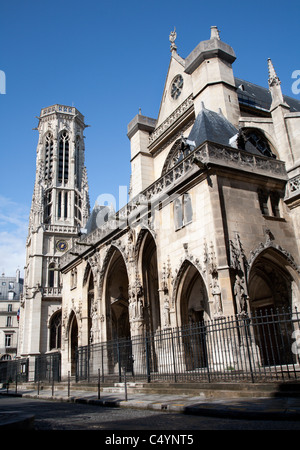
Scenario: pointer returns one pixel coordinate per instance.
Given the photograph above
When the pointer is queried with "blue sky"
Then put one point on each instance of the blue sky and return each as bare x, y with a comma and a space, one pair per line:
108, 59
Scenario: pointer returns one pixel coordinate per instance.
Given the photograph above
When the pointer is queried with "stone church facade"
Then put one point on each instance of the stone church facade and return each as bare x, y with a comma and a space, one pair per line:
211, 228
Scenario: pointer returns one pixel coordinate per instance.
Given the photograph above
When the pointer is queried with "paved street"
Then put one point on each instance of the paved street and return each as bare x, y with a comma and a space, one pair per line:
51, 415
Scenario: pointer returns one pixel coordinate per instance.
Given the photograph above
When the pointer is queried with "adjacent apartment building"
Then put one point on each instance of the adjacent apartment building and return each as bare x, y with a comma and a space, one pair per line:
11, 289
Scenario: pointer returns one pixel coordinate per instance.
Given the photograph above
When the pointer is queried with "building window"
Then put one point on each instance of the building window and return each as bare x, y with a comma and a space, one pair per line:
11, 285
55, 331
8, 340
48, 156
269, 203
63, 158
48, 206
8, 321
51, 275
9, 307
183, 212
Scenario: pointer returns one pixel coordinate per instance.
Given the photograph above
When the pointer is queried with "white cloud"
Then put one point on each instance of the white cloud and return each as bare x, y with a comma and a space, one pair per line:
13, 232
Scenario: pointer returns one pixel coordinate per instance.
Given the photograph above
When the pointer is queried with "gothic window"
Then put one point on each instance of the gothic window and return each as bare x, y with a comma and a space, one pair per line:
77, 162
48, 156
51, 275
55, 331
263, 202
274, 200
269, 203
77, 209
48, 206
257, 139
63, 158
66, 205
183, 212
59, 205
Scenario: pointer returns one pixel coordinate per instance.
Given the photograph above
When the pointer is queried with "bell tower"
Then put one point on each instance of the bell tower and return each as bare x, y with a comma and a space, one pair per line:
60, 207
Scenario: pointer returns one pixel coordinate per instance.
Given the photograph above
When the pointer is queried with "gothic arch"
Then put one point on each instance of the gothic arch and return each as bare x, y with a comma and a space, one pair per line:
259, 136
140, 243
114, 292
190, 294
273, 278
146, 257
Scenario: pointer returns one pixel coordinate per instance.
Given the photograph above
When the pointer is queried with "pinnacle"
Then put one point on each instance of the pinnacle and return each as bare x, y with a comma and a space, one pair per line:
214, 33
273, 78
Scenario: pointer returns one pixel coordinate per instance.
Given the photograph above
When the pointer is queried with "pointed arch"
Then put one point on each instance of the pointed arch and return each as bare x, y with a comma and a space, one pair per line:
190, 294
146, 256
114, 285
259, 139
273, 278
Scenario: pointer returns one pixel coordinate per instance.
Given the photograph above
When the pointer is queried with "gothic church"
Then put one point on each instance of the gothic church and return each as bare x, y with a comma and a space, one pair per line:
211, 228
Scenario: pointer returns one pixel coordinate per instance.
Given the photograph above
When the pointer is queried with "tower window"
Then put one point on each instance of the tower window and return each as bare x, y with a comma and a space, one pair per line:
51, 275
48, 156
47, 206
63, 158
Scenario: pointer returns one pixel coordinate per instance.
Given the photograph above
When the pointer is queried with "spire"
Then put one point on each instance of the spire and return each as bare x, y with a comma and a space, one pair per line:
214, 33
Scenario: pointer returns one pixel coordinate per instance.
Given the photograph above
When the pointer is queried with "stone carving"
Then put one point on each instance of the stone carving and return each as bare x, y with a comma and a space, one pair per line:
172, 39
240, 295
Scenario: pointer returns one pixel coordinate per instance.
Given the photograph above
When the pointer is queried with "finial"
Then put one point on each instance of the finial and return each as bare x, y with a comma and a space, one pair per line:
214, 33
273, 78
172, 39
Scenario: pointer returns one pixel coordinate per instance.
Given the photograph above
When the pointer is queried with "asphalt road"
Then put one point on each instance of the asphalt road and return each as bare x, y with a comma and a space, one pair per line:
50, 415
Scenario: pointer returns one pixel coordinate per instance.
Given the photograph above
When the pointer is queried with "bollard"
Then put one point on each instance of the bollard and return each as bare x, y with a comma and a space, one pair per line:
125, 384
68, 383
98, 384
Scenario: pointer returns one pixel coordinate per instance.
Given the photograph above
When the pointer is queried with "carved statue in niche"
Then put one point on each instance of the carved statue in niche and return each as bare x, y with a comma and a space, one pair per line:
166, 312
216, 292
240, 295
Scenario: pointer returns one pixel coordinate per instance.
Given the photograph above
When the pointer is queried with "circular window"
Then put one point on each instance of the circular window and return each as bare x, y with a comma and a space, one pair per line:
176, 87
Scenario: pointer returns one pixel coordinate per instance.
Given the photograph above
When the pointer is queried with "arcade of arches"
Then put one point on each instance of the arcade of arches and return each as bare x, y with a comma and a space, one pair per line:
125, 297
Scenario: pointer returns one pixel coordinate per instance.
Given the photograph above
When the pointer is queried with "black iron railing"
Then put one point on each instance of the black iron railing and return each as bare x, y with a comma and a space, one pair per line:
260, 347
264, 346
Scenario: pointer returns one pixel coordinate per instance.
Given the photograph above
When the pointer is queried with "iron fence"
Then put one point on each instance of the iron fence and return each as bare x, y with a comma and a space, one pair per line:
13, 371
257, 347
264, 346
47, 367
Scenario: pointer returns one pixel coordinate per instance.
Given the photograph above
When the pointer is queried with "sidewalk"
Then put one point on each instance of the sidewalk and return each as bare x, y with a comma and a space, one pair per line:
282, 408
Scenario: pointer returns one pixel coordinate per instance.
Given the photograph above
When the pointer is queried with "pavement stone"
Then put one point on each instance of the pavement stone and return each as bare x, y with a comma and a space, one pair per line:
259, 408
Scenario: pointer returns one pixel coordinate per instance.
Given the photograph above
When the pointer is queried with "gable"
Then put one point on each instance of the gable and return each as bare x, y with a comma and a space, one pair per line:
168, 103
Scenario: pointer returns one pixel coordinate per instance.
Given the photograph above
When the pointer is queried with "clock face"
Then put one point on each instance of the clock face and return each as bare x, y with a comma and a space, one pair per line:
61, 245
176, 86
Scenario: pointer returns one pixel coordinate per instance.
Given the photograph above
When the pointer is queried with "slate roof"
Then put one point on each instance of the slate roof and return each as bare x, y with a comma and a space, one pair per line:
258, 96
214, 127
211, 126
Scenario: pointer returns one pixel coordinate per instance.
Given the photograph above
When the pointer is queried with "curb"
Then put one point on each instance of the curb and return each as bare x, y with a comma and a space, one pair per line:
204, 409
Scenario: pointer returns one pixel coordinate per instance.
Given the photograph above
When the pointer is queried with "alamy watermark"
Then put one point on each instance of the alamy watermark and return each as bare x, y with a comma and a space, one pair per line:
2, 82
296, 83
